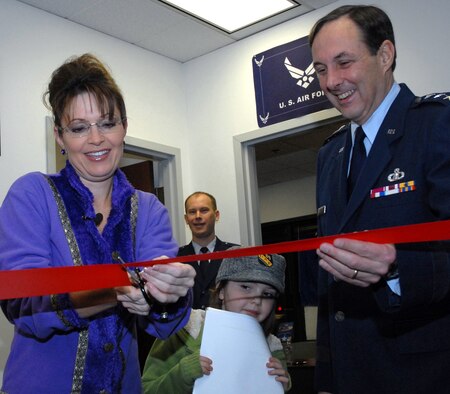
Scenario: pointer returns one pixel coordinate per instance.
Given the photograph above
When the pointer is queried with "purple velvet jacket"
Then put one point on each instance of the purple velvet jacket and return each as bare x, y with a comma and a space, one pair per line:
54, 350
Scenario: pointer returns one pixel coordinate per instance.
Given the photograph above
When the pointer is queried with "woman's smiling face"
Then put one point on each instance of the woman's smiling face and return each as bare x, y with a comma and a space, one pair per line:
95, 156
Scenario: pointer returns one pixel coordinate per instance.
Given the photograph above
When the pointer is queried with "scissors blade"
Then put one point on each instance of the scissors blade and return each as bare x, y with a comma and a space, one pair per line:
134, 275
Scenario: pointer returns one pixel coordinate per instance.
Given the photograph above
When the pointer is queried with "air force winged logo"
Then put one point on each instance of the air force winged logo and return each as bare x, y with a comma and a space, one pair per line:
259, 62
264, 119
304, 77
286, 83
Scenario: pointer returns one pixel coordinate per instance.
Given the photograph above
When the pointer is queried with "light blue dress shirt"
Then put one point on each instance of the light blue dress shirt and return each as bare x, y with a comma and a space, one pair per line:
371, 128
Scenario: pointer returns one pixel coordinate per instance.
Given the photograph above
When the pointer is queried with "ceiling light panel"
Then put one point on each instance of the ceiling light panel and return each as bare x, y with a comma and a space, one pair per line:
232, 15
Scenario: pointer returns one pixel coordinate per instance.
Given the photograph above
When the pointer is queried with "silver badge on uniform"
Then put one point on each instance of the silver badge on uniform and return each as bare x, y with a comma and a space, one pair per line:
396, 175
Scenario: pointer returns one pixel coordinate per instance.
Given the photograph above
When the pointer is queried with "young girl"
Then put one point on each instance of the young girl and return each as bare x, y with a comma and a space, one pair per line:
248, 285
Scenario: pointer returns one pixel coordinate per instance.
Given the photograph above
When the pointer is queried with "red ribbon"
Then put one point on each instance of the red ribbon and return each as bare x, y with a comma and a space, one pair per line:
41, 281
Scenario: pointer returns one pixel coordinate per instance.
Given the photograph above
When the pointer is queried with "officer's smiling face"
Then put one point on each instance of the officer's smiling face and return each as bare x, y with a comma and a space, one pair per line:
201, 216
354, 80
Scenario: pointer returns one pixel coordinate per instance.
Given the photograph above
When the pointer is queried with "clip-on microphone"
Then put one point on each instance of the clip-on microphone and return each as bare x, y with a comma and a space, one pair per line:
97, 219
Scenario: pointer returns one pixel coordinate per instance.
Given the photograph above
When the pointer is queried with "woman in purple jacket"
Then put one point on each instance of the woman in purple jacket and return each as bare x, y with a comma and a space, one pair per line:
85, 342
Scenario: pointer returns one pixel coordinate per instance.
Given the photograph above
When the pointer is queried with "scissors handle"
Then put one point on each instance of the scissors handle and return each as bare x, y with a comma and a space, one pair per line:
136, 280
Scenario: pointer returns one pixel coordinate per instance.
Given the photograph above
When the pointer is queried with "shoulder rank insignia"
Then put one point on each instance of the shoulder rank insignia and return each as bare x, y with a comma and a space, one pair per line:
443, 98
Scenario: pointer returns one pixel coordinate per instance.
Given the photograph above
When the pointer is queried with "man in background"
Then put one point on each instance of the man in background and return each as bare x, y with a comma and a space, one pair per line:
201, 215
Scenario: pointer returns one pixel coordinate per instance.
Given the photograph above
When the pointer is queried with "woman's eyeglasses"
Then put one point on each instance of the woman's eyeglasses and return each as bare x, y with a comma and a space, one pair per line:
82, 129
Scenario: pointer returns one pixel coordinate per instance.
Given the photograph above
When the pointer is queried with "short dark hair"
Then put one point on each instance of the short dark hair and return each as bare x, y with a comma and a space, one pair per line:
83, 74
211, 197
373, 23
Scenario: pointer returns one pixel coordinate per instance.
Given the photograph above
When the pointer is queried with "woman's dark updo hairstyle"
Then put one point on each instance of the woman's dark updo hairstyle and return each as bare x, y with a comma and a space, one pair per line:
78, 75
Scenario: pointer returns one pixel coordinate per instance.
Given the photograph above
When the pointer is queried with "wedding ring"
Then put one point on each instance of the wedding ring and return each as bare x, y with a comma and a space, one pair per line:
355, 273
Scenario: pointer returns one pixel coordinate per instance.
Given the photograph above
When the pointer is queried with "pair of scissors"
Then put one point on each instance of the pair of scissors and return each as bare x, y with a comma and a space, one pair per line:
135, 277
136, 280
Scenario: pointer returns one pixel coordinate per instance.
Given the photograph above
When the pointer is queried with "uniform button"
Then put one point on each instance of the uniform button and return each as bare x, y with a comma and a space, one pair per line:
203, 292
102, 392
339, 316
108, 347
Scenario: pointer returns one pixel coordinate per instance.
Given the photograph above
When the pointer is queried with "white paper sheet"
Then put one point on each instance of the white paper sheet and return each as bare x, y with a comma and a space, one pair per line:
239, 351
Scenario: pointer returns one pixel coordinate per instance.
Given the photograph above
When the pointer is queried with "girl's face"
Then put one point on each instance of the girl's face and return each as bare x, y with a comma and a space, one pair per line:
250, 298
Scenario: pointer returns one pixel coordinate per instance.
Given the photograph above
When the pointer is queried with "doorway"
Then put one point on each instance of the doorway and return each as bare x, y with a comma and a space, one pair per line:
276, 172
300, 138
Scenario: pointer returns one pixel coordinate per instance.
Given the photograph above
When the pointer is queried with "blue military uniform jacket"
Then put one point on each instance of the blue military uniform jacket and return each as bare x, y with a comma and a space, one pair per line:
369, 339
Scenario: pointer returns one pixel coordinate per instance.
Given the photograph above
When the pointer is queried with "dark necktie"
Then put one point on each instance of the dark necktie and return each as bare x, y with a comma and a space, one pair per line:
358, 159
204, 263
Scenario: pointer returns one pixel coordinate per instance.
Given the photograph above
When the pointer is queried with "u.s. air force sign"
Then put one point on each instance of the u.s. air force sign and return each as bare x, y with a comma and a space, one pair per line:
286, 85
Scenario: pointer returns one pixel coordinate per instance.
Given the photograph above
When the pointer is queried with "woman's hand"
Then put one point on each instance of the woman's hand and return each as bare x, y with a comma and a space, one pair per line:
167, 283
276, 369
133, 300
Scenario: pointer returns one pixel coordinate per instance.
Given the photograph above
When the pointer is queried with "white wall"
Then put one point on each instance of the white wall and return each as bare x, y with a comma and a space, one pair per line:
287, 200
197, 106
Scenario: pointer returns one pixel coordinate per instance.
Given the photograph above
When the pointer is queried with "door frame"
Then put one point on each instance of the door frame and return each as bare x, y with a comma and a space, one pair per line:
167, 167
245, 164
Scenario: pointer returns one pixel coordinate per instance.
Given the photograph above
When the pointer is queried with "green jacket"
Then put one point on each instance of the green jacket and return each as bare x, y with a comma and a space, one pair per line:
173, 364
